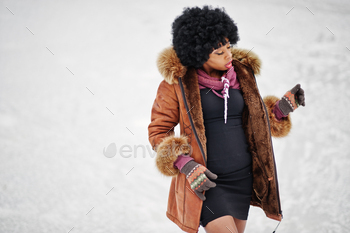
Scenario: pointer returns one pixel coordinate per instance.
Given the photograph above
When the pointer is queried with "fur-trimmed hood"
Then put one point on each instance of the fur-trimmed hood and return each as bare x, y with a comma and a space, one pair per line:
170, 67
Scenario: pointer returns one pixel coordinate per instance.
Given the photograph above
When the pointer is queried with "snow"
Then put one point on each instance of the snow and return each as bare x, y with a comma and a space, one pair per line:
78, 76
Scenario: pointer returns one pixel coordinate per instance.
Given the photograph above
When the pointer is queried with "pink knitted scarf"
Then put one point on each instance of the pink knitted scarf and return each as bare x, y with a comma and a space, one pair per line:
228, 80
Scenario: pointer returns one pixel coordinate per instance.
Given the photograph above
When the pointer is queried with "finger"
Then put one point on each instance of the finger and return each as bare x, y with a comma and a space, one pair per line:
206, 185
301, 91
200, 195
211, 184
210, 174
301, 100
201, 188
301, 97
295, 89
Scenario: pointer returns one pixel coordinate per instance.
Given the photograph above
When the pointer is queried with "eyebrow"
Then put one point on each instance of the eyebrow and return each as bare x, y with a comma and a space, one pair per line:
228, 42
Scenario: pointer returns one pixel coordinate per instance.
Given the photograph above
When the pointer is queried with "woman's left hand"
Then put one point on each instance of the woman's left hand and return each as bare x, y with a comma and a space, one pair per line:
292, 100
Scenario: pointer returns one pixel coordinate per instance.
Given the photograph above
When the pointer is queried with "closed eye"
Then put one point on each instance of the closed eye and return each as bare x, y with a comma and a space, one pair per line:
229, 47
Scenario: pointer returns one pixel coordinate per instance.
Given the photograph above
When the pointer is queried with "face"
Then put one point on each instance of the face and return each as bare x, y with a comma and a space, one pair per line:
219, 60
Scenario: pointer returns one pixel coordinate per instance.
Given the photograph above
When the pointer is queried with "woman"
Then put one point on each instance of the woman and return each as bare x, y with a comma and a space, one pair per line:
223, 161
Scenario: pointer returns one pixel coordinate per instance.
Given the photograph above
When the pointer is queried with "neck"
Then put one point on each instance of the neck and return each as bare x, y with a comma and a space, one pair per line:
213, 73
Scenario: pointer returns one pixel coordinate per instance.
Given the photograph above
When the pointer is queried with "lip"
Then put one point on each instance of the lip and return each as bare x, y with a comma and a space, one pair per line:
229, 64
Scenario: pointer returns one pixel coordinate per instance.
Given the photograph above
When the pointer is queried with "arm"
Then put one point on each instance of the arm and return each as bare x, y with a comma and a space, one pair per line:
164, 117
279, 127
171, 151
279, 109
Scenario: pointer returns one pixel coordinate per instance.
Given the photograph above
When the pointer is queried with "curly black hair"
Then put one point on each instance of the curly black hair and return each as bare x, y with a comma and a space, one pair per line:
197, 32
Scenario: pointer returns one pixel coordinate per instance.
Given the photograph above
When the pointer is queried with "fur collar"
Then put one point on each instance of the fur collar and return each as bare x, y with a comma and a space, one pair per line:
170, 67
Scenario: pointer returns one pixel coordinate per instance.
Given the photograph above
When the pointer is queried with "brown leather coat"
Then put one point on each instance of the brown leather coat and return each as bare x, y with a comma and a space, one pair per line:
178, 102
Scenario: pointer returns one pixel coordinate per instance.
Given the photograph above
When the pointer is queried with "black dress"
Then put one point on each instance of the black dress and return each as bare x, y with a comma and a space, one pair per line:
227, 156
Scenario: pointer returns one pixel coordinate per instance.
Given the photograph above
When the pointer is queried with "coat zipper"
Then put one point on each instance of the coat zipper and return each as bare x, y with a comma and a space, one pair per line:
191, 121
273, 155
274, 163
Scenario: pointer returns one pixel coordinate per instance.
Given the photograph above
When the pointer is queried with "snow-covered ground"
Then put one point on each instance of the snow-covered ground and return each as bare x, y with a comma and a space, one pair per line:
78, 76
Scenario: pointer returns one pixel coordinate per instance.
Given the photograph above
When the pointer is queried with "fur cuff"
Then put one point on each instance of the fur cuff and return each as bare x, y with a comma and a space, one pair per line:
168, 151
279, 128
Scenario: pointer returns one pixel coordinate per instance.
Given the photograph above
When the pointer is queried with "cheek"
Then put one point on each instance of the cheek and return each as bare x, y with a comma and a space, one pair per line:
219, 62
215, 61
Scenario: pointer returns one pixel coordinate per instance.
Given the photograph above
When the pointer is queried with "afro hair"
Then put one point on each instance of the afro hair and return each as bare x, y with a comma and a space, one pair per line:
197, 32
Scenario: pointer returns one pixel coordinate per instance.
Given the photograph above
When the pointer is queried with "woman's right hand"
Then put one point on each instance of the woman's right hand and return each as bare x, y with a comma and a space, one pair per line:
292, 100
197, 175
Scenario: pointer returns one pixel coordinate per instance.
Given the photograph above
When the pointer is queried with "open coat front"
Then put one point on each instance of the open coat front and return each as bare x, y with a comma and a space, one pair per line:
178, 102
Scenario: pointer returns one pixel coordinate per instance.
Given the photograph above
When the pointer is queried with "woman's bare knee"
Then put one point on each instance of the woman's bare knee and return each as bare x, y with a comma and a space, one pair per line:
221, 225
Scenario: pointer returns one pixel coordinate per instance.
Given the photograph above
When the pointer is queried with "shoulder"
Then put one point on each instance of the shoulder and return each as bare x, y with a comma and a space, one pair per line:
167, 92
171, 69
247, 58
169, 66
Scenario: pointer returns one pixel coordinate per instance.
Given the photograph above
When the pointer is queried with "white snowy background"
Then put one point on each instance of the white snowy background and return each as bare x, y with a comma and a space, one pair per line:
78, 76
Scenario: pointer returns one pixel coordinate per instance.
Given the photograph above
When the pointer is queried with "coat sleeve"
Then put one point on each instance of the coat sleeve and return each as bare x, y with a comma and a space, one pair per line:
164, 117
279, 128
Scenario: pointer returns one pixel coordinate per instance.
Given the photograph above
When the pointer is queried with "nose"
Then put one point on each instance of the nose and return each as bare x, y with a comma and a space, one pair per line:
228, 54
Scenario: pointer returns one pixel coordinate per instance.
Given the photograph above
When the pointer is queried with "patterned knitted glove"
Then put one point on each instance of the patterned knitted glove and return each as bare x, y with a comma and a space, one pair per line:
196, 175
292, 100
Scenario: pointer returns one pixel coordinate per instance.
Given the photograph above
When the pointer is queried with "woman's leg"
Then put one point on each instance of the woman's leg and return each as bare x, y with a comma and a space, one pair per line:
224, 224
240, 224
